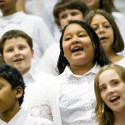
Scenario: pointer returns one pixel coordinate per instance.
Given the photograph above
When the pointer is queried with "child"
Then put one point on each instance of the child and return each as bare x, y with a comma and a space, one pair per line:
34, 26
11, 97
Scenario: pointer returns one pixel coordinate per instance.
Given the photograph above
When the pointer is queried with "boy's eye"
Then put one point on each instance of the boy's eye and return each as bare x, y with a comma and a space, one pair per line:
1, 87
63, 16
21, 47
74, 14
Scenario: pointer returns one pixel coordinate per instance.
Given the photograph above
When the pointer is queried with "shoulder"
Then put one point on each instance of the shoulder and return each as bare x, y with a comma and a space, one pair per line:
38, 121
35, 18
118, 15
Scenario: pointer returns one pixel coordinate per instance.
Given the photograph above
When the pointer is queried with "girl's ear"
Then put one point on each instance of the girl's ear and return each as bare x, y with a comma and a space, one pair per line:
19, 92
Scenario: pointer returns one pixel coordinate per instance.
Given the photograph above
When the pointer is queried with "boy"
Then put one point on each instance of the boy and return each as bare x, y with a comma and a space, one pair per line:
34, 26
16, 48
11, 97
64, 12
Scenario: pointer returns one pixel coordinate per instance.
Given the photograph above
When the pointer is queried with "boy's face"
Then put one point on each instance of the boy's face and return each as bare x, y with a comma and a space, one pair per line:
69, 15
17, 53
6, 5
8, 97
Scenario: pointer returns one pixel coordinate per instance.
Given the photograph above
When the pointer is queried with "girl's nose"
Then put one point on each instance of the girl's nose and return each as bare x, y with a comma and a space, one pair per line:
75, 40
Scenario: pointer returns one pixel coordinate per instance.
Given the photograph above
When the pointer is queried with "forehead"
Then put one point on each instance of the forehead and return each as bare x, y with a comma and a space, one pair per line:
74, 28
69, 10
98, 18
15, 41
4, 81
108, 75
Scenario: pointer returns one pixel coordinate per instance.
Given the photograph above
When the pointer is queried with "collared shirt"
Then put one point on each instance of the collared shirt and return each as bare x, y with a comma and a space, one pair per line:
77, 98
21, 118
29, 77
34, 26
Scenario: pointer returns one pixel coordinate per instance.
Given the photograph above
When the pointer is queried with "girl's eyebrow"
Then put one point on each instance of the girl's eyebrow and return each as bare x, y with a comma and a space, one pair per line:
80, 31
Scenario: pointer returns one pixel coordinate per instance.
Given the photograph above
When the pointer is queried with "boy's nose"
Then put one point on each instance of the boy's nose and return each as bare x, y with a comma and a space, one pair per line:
69, 18
17, 51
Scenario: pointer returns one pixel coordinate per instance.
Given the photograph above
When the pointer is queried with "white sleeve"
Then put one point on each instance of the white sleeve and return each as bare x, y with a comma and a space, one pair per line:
37, 121
49, 61
35, 102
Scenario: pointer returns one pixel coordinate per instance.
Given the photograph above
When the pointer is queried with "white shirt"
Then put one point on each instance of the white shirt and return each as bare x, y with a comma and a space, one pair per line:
34, 87
49, 61
22, 118
34, 26
77, 98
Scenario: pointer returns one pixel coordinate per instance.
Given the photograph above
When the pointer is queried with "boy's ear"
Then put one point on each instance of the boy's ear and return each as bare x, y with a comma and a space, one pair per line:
19, 92
32, 53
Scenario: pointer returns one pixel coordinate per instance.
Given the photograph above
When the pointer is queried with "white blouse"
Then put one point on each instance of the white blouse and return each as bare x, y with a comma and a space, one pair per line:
77, 98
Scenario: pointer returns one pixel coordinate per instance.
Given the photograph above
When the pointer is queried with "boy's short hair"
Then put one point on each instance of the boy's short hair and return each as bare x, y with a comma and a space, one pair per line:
14, 34
13, 76
62, 5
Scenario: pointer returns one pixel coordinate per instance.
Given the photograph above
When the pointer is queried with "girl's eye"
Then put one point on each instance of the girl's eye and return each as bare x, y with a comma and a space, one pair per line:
66, 39
10, 50
115, 82
82, 35
95, 28
107, 26
102, 88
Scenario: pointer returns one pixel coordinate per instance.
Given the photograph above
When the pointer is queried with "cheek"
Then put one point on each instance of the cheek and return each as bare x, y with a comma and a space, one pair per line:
8, 57
66, 49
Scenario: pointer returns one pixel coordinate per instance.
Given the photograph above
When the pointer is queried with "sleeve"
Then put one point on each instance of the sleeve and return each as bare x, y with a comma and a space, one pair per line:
37, 121
48, 63
36, 103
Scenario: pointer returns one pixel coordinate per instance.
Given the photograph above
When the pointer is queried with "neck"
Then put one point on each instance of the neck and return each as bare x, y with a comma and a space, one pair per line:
9, 12
114, 57
9, 114
80, 70
119, 118
23, 72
